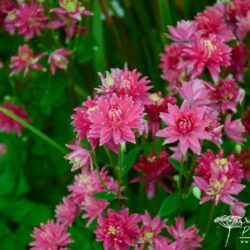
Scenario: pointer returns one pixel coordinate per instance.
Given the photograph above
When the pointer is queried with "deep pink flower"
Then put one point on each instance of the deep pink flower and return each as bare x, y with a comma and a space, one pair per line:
226, 95
114, 118
186, 125
156, 169
159, 104
126, 82
79, 158
234, 129
50, 236
150, 230
238, 61
243, 26
186, 239
58, 59
185, 32
6, 6
118, 230
238, 8
7, 124
30, 19
211, 21
244, 158
25, 60
3, 149
238, 208
204, 53
170, 59
67, 211
219, 177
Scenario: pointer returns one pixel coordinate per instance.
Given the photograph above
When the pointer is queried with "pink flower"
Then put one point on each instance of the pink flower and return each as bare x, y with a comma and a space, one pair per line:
234, 129
118, 230
126, 82
156, 169
150, 230
204, 53
211, 21
6, 6
226, 95
50, 236
114, 118
3, 149
238, 61
7, 124
244, 158
79, 158
219, 178
159, 104
25, 60
185, 32
170, 59
67, 211
238, 208
186, 125
30, 19
58, 59
243, 26
186, 239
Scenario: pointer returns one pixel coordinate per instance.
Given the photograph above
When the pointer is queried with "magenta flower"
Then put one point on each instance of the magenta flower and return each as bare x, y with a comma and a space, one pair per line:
170, 59
211, 21
30, 19
50, 236
79, 158
67, 211
234, 129
150, 230
186, 125
243, 26
25, 60
186, 239
159, 104
114, 118
238, 208
58, 59
244, 158
6, 6
7, 124
126, 82
118, 230
226, 95
185, 32
156, 169
204, 53
219, 177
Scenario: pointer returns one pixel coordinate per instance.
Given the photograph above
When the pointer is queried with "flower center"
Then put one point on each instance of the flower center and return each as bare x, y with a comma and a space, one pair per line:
151, 158
115, 116
210, 47
112, 230
69, 5
148, 235
185, 124
156, 99
84, 178
125, 84
25, 57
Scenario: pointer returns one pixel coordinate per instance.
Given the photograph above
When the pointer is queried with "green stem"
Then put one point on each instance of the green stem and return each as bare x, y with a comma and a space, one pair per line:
210, 218
111, 159
33, 129
120, 169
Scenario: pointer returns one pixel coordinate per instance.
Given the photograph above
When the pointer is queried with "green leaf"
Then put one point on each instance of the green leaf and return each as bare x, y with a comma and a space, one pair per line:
108, 196
176, 164
169, 205
129, 160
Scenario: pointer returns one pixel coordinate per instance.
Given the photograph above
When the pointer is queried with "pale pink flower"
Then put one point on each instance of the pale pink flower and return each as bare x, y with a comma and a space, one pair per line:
79, 158
50, 236
227, 95
170, 59
58, 59
234, 129
126, 82
185, 32
25, 60
118, 230
156, 169
150, 230
204, 53
114, 118
29, 20
159, 104
8, 124
238, 208
3, 149
186, 125
185, 238
211, 21
243, 26
219, 177
67, 211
